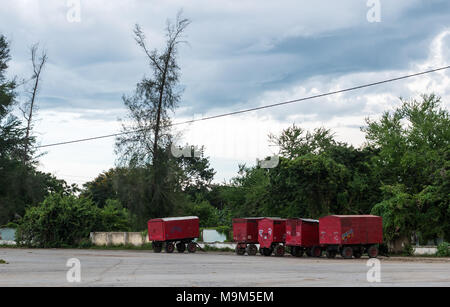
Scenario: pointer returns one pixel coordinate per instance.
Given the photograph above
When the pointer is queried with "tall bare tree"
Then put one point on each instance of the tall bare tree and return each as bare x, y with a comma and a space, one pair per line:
154, 98
147, 133
29, 108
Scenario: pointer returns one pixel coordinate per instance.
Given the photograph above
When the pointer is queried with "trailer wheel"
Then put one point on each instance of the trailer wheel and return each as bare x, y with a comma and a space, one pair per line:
252, 250
331, 254
316, 251
170, 247
192, 247
294, 250
157, 247
357, 254
347, 252
372, 251
266, 251
181, 247
308, 252
279, 251
240, 251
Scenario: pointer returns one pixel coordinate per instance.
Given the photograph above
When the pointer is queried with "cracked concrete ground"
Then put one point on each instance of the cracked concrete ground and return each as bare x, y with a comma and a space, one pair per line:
47, 267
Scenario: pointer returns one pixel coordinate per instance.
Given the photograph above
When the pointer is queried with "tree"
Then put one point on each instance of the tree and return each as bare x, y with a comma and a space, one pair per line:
295, 141
413, 145
153, 99
145, 144
21, 184
29, 107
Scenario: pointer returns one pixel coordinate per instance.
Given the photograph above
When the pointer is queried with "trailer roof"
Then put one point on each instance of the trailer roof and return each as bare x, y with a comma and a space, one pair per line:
350, 216
165, 219
310, 220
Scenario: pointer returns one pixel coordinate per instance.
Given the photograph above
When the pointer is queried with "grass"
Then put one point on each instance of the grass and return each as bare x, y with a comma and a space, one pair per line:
3, 261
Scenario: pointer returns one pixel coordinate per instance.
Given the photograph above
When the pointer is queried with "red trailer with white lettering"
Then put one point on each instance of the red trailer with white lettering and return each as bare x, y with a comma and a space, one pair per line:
302, 235
245, 234
351, 235
272, 236
174, 231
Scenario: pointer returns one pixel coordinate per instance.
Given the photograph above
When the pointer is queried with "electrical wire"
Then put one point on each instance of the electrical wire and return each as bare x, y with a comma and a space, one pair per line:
254, 109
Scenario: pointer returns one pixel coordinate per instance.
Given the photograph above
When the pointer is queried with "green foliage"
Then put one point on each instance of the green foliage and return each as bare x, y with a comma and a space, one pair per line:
10, 225
114, 217
399, 212
443, 250
21, 184
408, 250
412, 163
208, 215
226, 230
65, 220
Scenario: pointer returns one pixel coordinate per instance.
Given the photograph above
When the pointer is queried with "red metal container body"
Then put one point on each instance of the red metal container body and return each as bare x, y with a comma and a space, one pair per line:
302, 232
174, 228
271, 230
351, 230
245, 230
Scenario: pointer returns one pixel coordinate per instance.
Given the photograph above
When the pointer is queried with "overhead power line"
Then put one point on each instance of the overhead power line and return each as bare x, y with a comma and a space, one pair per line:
256, 108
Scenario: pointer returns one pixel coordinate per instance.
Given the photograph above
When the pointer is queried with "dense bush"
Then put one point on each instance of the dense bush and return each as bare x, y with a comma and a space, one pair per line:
65, 220
443, 250
208, 215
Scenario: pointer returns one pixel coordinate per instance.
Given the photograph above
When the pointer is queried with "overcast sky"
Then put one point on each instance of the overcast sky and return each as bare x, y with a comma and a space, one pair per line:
241, 54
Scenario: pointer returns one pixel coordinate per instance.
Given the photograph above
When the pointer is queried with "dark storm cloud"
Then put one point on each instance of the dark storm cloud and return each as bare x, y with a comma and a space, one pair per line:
238, 50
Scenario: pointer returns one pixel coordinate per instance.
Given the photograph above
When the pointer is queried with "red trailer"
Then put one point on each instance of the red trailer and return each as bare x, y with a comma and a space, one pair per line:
351, 235
173, 231
302, 235
271, 236
245, 234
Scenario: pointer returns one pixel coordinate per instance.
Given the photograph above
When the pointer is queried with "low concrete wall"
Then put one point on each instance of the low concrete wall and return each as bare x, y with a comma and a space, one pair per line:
118, 238
213, 236
425, 250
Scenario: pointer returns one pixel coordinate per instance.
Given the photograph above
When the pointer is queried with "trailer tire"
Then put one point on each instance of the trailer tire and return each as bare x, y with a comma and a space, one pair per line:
331, 254
308, 252
252, 250
316, 251
279, 251
192, 247
170, 247
240, 251
293, 250
181, 247
266, 251
157, 247
373, 251
347, 252
357, 254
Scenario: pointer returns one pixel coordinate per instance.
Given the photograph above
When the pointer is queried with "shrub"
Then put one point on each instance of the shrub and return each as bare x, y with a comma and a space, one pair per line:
208, 215
11, 225
65, 220
408, 250
443, 250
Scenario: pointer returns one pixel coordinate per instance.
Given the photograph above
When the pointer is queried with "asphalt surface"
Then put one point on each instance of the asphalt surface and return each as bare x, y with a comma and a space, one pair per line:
38, 267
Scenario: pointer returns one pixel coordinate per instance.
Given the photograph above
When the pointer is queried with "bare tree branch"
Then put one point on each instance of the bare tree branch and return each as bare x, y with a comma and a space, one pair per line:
29, 108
